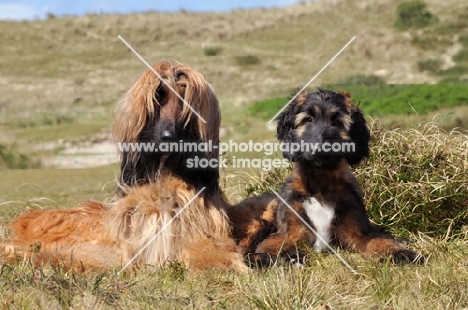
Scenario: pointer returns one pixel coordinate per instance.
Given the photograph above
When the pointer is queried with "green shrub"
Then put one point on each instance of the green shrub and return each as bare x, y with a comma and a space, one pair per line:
247, 60
361, 79
455, 74
464, 37
413, 14
431, 65
212, 50
435, 39
416, 180
10, 158
462, 56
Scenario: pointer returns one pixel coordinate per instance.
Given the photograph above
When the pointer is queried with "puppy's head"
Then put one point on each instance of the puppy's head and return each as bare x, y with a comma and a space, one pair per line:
322, 127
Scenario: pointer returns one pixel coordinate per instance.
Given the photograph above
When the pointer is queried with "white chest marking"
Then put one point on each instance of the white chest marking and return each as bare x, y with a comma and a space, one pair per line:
321, 217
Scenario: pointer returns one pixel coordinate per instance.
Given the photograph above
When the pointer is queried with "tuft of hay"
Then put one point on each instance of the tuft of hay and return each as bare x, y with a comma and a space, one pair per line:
416, 180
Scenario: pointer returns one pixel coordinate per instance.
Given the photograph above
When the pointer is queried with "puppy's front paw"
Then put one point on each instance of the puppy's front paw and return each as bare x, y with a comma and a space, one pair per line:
406, 256
260, 260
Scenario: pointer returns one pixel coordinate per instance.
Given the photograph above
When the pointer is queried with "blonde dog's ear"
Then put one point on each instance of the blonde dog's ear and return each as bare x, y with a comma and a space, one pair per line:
136, 107
201, 112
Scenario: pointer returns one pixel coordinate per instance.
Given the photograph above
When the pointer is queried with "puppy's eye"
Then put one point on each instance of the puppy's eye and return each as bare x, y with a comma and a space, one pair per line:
308, 119
337, 122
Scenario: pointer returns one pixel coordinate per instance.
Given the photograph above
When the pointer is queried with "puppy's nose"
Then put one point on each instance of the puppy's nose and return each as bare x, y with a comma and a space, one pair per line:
167, 135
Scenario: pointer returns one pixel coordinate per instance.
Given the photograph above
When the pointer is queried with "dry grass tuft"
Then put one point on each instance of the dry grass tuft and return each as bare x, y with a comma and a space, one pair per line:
416, 179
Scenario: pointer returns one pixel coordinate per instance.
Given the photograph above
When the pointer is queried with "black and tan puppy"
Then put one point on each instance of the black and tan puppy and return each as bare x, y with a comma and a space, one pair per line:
325, 134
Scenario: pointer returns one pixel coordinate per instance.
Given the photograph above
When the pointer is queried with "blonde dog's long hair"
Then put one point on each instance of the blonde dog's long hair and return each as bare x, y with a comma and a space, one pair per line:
140, 226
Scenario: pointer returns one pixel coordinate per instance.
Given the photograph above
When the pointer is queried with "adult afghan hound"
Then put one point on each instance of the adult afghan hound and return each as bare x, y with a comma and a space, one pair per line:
324, 133
156, 184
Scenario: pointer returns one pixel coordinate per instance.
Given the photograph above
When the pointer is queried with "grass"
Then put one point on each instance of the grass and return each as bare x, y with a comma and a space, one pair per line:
53, 63
414, 14
52, 188
415, 179
360, 79
248, 60
381, 100
323, 284
212, 50
430, 65
438, 39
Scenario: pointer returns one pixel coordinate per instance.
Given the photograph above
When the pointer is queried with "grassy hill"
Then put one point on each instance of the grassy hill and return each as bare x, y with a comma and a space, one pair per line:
69, 71
60, 77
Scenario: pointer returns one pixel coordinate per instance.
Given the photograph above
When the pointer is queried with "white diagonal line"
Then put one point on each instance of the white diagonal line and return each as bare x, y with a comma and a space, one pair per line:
315, 232
312, 79
159, 76
159, 232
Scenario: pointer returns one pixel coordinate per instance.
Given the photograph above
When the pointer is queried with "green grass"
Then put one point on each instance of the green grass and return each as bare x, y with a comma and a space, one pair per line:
266, 109
53, 188
385, 99
360, 79
324, 283
415, 179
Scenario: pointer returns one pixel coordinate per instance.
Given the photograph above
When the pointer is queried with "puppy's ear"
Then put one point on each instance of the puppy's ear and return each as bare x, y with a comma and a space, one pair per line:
360, 135
284, 129
286, 123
